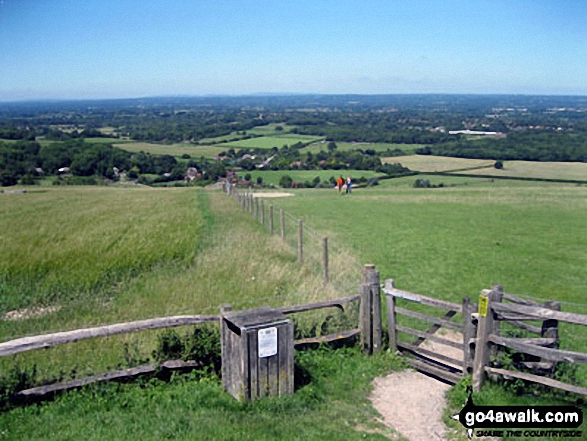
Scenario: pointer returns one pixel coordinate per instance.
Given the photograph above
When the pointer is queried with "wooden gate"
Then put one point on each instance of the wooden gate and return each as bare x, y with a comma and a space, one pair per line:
436, 362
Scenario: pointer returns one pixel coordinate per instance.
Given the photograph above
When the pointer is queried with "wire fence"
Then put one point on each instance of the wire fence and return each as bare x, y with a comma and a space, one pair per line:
321, 255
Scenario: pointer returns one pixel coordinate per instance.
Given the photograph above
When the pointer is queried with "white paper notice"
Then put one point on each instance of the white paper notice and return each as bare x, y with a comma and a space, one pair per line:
267, 339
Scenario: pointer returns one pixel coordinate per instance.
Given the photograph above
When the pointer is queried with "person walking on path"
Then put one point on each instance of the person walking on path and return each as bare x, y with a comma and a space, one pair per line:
349, 185
340, 183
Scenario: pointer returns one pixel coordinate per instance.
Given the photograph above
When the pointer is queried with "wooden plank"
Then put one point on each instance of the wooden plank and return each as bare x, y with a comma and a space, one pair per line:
273, 373
425, 300
253, 365
338, 303
432, 329
427, 318
519, 301
469, 332
365, 322
538, 379
538, 341
542, 313
545, 353
391, 318
328, 338
525, 326
432, 370
420, 350
45, 341
376, 310
426, 336
285, 354
514, 317
42, 391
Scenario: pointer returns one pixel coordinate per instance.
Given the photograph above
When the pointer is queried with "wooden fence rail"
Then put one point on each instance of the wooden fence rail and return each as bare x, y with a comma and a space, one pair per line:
45, 341
545, 347
49, 340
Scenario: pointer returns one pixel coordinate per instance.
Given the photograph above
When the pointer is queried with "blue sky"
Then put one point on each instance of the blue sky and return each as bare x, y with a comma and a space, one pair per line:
61, 49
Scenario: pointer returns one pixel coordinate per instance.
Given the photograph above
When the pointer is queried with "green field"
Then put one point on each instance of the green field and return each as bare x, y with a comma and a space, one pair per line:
177, 150
267, 142
428, 163
377, 146
269, 129
104, 255
273, 176
540, 170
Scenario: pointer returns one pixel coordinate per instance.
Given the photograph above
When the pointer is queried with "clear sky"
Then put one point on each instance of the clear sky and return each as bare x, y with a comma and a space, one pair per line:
129, 48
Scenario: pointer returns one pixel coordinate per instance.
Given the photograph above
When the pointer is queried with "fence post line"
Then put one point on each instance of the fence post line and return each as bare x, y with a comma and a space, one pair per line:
257, 208
468, 334
282, 221
271, 219
391, 317
370, 310
300, 242
262, 211
325, 259
484, 328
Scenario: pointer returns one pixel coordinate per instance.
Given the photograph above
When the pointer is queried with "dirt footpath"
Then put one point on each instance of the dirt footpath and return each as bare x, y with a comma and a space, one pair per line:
412, 404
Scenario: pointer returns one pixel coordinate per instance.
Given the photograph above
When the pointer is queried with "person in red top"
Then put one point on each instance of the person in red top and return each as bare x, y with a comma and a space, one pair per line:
340, 183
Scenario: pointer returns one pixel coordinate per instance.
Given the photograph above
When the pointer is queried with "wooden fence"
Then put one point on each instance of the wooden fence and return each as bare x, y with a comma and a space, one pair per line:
256, 207
431, 362
479, 332
370, 335
492, 311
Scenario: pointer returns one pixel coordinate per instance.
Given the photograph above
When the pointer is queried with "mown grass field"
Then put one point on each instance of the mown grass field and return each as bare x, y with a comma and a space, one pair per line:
377, 146
195, 151
540, 170
270, 141
428, 163
273, 176
454, 242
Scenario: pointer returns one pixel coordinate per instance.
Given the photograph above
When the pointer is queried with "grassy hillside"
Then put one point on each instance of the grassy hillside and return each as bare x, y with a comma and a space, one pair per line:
128, 254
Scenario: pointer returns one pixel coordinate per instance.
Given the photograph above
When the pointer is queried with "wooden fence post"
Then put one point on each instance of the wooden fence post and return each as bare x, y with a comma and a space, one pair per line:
550, 328
262, 212
325, 259
300, 242
468, 334
271, 219
282, 221
257, 209
370, 314
484, 329
391, 317
498, 297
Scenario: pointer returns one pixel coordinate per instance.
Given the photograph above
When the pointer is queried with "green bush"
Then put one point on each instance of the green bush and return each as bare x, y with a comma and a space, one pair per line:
201, 345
